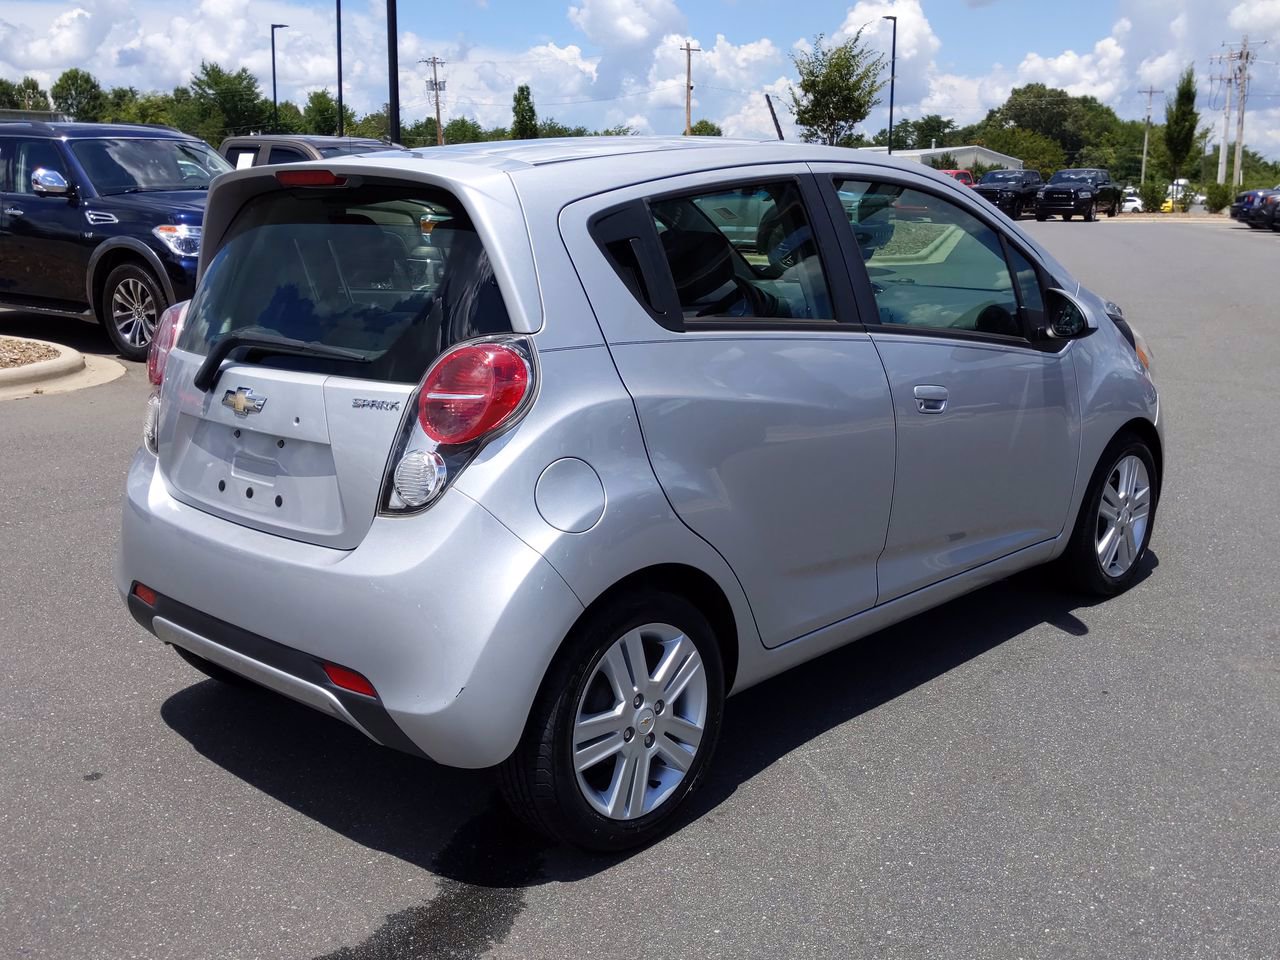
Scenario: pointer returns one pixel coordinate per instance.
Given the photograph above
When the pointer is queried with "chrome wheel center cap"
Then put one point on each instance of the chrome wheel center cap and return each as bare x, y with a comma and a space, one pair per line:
644, 721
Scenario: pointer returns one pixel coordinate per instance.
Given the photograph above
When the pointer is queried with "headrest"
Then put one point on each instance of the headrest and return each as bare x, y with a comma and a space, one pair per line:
701, 262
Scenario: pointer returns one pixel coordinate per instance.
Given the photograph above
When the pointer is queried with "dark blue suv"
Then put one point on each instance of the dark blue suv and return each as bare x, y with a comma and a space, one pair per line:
102, 220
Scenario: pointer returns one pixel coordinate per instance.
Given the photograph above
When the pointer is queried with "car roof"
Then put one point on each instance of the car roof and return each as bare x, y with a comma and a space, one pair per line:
87, 131
315, 139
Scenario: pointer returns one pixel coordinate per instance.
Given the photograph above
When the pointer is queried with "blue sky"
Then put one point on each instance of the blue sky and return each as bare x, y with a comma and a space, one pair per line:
603, 62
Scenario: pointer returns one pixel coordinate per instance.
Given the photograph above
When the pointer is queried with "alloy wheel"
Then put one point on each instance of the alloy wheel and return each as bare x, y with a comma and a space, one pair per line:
1124, 513
133, 311
639, 721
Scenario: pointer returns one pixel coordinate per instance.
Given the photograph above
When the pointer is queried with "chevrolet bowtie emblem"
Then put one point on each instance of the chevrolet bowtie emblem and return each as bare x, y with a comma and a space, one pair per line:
242, 401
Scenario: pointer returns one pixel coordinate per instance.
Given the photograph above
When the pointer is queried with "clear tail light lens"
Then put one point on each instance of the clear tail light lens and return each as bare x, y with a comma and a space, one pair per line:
470, 394
165, 337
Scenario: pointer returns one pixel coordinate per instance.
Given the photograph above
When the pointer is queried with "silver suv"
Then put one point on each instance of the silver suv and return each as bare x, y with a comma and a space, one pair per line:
527, 455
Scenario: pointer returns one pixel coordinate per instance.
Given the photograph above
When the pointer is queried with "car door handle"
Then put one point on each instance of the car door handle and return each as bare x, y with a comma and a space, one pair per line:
13, 211
930, 398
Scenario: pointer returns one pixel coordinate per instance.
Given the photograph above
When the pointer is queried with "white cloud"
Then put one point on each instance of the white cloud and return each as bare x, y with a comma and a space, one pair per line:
1100, 73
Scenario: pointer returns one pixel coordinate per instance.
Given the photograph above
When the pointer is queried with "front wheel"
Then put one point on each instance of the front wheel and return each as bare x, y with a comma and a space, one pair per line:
1041, 217
1067, 216
132, 302
623, 727
1091, 214
1111, 210
1116, 518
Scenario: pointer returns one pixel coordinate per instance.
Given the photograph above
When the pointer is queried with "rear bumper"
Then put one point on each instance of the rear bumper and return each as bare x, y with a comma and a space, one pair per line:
452, 618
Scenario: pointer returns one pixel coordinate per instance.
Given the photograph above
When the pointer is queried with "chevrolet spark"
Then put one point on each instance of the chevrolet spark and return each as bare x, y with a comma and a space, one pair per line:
527, 455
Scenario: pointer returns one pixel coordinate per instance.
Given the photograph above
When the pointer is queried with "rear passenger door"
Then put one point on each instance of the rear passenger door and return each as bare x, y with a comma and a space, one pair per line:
764, 407
987, 411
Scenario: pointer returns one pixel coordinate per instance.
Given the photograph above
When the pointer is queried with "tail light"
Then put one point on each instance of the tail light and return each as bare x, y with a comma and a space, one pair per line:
166, 336
469, 395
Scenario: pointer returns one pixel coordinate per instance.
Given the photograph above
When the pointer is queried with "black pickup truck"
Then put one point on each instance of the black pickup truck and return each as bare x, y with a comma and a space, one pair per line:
1011, 190
1087, 191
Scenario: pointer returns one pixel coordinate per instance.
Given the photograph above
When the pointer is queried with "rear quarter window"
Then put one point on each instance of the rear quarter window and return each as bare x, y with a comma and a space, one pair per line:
395, 274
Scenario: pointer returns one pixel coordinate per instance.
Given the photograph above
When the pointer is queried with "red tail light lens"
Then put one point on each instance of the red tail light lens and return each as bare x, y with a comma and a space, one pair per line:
349, 680
166, 336
470, 391
310, 178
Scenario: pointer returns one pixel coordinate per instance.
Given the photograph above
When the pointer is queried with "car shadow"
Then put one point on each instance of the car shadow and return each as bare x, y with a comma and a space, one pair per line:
453, 824
83, 335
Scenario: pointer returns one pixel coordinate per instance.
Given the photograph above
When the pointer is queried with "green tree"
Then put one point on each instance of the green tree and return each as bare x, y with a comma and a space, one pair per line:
31, 96
945, 161
420, 133
621, 130
524, 118
77, 94
1035, 150
463, 130
550, 127
291, 118
225, 103
8, 95
705, 128
934, 128
1180, 123
119, 101
320, 115
904, 135
838, 88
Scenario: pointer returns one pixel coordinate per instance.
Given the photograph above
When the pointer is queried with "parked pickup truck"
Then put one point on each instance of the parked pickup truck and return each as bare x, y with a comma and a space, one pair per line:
1087, 192
1011, 190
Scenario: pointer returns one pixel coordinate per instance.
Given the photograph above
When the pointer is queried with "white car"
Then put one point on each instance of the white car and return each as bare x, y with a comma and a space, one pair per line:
1131, 203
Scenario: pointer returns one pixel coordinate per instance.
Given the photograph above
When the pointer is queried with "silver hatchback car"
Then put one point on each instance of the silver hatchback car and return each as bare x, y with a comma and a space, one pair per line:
526, 455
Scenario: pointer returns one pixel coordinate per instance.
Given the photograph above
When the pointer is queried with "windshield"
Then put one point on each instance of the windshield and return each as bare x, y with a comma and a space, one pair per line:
1074, 176
394, 274
141, 166
1002, 176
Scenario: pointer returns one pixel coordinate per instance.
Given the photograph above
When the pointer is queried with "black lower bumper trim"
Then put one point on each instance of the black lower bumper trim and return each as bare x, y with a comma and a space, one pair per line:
368, 711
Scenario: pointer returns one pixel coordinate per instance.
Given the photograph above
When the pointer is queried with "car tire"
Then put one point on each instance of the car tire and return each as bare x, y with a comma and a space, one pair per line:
580, 800
1041, 217
1111, 210
1091, 215
1067, 216
1016, 213
132, 302
1105, 555
213, 670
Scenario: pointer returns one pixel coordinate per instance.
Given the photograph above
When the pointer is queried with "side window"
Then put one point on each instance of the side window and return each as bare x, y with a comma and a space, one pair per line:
1028, 286
286, 155
242, 157
30, 156
931, 264
7, 146
744, 251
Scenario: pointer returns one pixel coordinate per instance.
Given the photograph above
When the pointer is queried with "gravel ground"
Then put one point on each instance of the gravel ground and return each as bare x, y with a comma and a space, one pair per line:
18, 353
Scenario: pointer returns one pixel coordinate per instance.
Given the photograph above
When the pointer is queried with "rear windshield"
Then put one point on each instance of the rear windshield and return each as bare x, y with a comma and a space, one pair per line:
395, 274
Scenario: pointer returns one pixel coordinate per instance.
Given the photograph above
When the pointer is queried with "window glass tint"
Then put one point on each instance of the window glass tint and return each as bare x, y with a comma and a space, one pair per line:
931, 264
748, 251
395, 275
1028, 284
33, 155
144, 165
286, 155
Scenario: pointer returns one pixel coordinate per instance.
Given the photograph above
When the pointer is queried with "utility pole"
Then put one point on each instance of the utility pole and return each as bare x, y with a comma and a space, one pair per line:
341, 118
1226, 130
776, 125
689, 50
436, 86
893, 75
1242, 84
1146, 132
393, 75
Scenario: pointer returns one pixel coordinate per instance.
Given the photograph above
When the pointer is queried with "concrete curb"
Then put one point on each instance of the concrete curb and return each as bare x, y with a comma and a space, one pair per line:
67, 363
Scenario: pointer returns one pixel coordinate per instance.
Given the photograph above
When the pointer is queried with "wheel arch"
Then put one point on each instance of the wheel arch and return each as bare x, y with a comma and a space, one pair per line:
114, 253
694, 585
1148, 433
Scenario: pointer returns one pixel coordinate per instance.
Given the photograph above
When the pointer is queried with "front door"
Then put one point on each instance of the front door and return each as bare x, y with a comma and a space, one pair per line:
765, 412
41, 245
987, 417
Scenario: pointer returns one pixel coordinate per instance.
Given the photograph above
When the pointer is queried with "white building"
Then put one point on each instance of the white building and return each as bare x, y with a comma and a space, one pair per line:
966, 157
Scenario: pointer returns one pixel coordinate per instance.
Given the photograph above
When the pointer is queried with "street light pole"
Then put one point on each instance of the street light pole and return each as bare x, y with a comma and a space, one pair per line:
275, 106
393, 75
893, 74
340, 114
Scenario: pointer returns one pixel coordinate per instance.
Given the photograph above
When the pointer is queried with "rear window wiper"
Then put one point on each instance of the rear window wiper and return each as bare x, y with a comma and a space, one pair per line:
224, 346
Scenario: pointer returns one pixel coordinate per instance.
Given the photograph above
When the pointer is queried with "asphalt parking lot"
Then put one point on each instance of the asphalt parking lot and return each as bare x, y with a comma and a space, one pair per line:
1016, 774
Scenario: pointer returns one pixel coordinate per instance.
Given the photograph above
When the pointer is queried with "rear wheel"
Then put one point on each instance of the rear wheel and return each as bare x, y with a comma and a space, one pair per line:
623, 727
1067, 216
132, 302
1116, 518
1111, 210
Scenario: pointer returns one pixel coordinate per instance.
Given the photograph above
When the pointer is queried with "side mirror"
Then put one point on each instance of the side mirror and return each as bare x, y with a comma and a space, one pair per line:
49, 183
1066, 317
